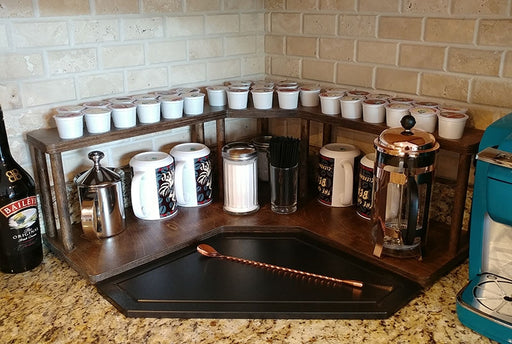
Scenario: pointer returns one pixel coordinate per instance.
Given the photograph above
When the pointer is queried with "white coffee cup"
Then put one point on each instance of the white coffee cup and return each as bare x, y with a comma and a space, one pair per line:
70, 125
336, 174
97, 120
148, 111
171, 106
262, 98
193, 177
217, 95
124, 115
193, 103
153, 193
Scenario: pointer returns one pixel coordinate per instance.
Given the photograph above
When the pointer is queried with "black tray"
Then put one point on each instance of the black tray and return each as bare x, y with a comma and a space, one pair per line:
185, 284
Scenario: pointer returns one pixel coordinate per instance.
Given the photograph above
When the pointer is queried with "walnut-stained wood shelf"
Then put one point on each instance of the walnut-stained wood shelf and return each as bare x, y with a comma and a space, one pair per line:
144, 241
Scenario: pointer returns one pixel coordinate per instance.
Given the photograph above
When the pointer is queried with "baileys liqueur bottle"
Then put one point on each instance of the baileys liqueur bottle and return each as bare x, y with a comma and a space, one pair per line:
20, 237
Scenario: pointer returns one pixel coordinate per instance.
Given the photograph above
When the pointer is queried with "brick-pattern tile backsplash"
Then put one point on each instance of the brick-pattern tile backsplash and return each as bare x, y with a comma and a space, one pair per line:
57, 53
451, 51
67, 52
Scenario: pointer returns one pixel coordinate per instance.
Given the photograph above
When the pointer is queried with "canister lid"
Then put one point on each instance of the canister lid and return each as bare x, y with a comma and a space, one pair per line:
97, 175
239, 151
402, 141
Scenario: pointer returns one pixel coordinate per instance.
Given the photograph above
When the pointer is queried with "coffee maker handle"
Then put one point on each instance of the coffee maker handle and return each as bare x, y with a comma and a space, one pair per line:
412, 220
348, 187
178, 184
89, 219
136, 195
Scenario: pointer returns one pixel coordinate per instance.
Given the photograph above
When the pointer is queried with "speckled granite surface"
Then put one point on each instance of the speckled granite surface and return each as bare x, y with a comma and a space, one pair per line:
53, 304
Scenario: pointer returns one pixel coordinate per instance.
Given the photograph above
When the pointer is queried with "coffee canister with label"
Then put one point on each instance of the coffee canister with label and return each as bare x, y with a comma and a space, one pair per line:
365, 186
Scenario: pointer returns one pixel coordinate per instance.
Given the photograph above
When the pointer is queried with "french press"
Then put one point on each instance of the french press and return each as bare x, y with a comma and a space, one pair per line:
101, 200
404, 173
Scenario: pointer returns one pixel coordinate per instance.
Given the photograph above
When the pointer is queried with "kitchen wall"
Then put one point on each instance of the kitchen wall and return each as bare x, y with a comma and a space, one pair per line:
451, 51
55, 53
69, 51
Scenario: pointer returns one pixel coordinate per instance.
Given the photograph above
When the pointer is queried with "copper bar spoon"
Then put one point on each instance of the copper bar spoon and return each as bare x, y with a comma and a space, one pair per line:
208, 251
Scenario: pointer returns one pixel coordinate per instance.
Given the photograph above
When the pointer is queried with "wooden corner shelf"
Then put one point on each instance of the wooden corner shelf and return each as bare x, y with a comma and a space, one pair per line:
144, 241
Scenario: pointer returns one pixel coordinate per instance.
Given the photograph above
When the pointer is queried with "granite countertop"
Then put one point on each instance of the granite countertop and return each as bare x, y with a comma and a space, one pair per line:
53, 304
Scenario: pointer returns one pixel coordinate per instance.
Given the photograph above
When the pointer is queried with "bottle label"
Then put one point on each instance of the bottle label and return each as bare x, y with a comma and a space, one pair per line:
23, 222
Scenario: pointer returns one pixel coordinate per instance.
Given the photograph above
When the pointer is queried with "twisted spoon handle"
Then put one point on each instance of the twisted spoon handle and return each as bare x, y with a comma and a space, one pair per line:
209, 251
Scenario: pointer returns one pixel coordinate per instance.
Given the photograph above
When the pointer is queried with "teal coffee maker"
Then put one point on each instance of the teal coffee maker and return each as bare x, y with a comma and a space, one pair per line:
485, 304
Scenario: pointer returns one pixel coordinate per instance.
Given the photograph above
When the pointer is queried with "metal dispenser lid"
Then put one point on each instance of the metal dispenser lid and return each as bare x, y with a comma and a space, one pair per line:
97, 175
239, 151
402, 141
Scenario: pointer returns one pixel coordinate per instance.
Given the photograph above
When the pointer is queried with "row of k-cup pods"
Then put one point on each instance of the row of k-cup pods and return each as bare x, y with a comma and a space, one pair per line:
382, 108
236, 94
124, 112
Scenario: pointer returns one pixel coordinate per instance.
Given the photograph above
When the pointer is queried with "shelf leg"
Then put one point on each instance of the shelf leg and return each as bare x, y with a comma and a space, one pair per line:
45, 193
304, 154
221, 141
459, 201
61, 200
197, 133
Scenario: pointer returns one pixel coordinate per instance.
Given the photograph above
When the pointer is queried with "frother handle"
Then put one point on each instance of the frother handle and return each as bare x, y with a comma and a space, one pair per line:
348, 186
136, 195
89, 219
412, 220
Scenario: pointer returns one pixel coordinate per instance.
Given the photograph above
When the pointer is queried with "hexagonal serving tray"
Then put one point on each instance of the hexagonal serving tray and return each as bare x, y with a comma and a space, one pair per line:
185, 284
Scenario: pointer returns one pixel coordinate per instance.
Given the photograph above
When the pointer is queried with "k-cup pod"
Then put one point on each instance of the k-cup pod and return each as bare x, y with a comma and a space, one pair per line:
145, 96
124, 115
121, 100
427, 104
98, 104
401, 100
70, 125
148, 111
374, 110
193, 103
351, 106
395, 112
288, 98
288, 84
383, 96
70, 109
97, 120
451, 108
358, 93
309, 95
452, 124
262, 98
217, 95
237, 98
171, 106
330, 102
426, 118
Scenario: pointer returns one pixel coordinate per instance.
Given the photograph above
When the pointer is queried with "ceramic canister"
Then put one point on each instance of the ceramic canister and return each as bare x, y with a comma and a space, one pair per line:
365, 186
336, 174
153, 193
193, 174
